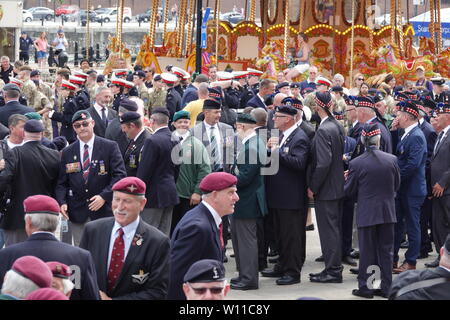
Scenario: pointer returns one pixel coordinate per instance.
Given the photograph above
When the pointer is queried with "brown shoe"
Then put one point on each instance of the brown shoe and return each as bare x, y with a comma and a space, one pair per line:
404, 267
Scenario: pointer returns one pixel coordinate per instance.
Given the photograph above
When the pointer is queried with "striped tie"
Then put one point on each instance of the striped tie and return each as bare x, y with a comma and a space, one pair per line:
214, 151
86, 163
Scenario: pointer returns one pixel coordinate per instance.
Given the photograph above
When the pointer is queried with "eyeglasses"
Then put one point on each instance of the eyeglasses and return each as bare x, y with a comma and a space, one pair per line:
85, 124
215, 290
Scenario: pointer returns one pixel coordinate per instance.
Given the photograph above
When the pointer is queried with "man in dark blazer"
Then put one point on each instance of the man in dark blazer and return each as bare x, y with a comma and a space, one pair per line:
197, 235
11, 94
159, 172
428, 284
29, 169
440, 181
41, 221
412, 157
286, 194
130, 256
326, 186
101, 114
131, 124
89, 168
251, 205
266, 88
374, 177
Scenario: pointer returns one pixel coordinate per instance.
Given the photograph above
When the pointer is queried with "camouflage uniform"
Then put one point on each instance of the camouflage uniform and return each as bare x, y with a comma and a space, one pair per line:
47, 91
144, 95
29, 91
157, 98
42, 105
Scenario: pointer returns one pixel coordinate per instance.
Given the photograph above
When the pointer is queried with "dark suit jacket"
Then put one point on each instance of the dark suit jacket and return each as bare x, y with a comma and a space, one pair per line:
412, 156
308, 129
195, 237
190, 94
151, 258
436, 292
355, 132
132, 154
69, 108
159, 172
100, 125
4, 131
286, 188
30, 169
256, 102
430, 137
250, 184
173, 101
12, 107
440, 165
326, 173
114, 132
47, 248
374, 177
73, 191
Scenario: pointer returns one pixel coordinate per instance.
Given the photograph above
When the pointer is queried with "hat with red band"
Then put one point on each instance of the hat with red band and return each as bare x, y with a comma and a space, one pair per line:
68, 85
254, 72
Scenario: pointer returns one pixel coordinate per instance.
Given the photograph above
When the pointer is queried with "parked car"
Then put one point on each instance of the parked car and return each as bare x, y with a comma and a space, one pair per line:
42, 13
145, 17
110, 15
66, 9
81, 16
232, 17
27, 16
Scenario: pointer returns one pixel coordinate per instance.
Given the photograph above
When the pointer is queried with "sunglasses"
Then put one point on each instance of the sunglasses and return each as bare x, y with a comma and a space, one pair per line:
360, 79
85, 124
202, 291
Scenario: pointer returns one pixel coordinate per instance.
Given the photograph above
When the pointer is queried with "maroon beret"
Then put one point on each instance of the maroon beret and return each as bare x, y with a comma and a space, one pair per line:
41, 204
59, 270
34, 269
130, 185
47, 294
217, 181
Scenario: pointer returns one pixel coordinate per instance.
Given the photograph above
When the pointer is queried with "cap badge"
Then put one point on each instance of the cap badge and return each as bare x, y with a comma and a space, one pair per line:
132, 188
216, 274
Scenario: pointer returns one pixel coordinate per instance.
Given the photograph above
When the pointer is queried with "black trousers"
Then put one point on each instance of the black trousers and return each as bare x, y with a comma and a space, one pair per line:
179, 211
441, 220
376, 251
425, 225
329, 222
262, 250
347, 225
270, 239
290, 227
24, 56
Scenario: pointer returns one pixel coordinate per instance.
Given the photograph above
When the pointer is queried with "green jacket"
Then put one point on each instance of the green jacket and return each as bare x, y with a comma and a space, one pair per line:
194, 167
387, 119
250, 184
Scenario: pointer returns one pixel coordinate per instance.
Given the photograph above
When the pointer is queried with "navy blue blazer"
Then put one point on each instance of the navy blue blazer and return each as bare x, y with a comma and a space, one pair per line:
107, 168
355, 132
190, 94
430, 136
158, 171
12, 107
47, 248
195, 237
286, 189
69, 108
173, 101
374, 177
412, 157
256, 102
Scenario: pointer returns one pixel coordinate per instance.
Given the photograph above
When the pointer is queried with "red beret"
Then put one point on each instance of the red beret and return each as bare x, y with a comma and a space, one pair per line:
47, 294
130, 185
59, 270
41, 204
217, 181
34, 269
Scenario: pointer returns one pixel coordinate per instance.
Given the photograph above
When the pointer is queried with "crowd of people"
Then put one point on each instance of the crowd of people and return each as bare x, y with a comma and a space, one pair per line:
146, 177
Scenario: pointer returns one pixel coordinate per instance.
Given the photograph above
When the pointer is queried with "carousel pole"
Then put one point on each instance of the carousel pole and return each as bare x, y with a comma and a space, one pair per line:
181, 22
302, 16
371, 25
352, 45
153, 18
217, 13
286, 29
121, 27
166, 19
393, 15
198, 46
252, 10
439, 27
88, 32
189, 28
432, 21
400, 32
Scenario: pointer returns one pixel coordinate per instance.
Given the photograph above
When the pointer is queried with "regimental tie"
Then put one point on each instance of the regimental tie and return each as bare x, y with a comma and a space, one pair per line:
222, 244
86, 163
104, 119
438, 143
117, 260
214, 151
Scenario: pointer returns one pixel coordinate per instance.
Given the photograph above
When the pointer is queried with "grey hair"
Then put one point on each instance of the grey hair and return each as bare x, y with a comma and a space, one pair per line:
3, 58
339, 76
206, 195
14, 119
100, 89
371, 141
12, 94
160, 119
260, 115
43, 221
17, 285
369, 112
203, 89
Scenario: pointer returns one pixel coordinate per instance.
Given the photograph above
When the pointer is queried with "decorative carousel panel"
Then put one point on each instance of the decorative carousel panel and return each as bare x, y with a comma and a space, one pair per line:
347, 10
294, 10
246, 47
324, 11
272, 11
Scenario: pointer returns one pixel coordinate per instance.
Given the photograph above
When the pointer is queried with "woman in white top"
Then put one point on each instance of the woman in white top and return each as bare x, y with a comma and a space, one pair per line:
358, 80
302, 58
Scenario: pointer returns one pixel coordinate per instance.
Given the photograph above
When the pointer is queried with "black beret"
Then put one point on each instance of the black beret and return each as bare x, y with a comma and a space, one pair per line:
60, 142
409, 107
289, 110
295, 85
379, 96
366, 102
139, 73
215, 93
130, 78
162, 110
370, 130
206, 270
11, 87
157, 77
337, 89
35, 73
100, 78
438, 81
323, 99
282, 85
128, 104
34, 126
81, 115
428, 103
129, 116
245, 118
211, 104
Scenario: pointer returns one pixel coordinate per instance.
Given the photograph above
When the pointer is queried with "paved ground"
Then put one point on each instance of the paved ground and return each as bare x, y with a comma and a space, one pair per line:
268, 290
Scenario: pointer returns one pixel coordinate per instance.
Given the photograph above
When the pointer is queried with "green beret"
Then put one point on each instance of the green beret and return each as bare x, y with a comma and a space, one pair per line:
33, 115
245, 118
182, 114
81, 115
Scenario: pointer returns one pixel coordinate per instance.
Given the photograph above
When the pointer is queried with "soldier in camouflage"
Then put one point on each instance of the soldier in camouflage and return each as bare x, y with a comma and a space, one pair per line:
157, 94
138, 79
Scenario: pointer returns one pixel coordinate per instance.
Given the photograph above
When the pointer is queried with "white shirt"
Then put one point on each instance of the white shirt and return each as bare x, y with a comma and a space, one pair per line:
98, 108
323, 120
216, 134
287, 133
253, 134
261, 98
159, 129
354, 123
12, 145
216, 216
408, 130
90, 144
421, 121
184, 136
137, 136
128, 234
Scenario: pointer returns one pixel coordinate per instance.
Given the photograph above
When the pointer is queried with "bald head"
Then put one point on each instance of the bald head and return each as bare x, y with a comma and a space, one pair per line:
260, 116
278, 98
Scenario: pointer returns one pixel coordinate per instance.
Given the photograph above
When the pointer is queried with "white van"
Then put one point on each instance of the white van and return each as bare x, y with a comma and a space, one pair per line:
110, 15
